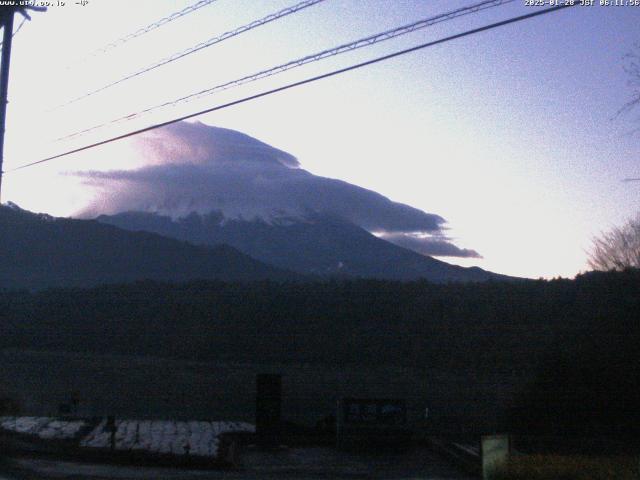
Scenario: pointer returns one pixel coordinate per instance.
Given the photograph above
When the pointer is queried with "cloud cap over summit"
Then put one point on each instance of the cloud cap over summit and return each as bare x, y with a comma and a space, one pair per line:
193, 167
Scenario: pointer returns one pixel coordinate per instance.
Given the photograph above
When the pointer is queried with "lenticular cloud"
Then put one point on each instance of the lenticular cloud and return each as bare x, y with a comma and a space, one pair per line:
192, 167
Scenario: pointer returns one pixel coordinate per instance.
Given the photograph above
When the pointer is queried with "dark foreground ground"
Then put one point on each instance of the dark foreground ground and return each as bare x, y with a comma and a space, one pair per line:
138, 387
285, 463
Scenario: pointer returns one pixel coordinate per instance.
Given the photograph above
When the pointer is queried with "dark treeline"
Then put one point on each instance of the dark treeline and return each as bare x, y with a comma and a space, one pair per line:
576, 339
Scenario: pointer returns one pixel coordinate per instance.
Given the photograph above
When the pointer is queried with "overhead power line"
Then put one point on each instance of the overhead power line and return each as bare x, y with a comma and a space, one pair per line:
148, 28
347, 47
208, 43
299, 83
24, 19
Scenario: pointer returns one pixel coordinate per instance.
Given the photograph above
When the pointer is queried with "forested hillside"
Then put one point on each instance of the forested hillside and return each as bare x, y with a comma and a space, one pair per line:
560, 332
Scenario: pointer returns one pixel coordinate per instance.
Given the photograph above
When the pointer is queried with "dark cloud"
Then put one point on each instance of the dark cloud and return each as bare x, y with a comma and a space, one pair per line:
433, 246
198, 168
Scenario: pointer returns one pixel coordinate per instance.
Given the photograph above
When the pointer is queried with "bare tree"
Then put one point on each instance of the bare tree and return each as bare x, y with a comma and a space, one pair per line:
632, 67
617, 249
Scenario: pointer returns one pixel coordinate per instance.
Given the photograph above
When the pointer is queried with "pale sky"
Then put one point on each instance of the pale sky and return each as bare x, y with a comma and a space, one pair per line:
511, 135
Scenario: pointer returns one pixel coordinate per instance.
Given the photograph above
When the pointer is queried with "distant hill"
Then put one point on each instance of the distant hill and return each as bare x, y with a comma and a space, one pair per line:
319, 245
38, 251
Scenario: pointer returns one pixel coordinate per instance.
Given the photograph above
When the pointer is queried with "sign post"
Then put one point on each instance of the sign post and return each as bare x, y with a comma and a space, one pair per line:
495, 450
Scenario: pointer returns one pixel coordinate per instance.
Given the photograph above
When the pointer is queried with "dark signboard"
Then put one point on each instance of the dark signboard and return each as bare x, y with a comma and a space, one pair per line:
373, 412
268, 408
372, 423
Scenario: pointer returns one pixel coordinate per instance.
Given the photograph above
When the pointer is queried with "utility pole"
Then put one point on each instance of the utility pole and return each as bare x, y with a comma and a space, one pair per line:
6, 21
7, 26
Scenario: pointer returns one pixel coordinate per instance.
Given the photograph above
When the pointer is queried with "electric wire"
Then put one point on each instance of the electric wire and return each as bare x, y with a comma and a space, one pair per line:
363, 42
141, 31
298, 83
24, 19
208, 43
17, 29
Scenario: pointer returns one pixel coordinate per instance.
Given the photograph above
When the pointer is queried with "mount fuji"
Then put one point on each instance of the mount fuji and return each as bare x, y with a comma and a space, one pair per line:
209, 186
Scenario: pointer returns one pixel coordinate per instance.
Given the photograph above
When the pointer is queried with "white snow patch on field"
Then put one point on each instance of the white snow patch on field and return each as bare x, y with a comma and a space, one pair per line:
165, 436
194, 438
43, 427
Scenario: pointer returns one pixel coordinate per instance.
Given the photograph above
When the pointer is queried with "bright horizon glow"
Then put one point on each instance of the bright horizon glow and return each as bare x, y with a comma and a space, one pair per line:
508, 134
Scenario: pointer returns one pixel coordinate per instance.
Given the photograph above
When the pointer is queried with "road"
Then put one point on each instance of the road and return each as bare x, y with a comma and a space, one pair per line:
286, 463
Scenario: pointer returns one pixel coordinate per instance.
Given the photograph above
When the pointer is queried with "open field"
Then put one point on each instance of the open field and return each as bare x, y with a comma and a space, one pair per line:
147, 388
